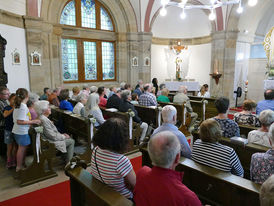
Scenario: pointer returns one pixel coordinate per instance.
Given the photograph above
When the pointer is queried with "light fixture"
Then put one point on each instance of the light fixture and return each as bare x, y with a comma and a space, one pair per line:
183, 14
213, 4
163, 11
252, 2
212, 15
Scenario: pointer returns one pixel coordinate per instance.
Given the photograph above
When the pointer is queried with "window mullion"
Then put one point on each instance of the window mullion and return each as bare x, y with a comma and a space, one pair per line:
99, 61
81, 69
98, 15
78, 13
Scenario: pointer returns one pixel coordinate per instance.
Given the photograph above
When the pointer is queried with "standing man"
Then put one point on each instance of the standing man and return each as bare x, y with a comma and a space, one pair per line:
162, 185
4, 96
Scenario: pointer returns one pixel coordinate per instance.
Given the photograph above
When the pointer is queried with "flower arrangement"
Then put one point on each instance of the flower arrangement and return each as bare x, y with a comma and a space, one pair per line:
131, 113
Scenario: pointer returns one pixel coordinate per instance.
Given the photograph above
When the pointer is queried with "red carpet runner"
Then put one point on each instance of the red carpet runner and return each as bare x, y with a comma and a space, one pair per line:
55, 195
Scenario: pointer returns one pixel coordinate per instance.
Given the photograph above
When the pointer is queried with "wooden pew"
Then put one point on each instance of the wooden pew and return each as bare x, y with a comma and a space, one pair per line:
244, 152
76, 125
136, 130
214, 186
87, 190
37, 171
245, 129
148, 115
211, 110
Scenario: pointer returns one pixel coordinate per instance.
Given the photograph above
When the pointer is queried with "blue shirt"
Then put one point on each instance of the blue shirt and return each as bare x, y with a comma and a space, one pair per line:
186, 151
138, 92
8, 119
264, 105
65, 105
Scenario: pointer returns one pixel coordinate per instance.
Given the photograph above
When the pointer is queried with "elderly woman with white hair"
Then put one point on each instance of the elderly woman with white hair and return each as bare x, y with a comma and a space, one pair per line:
80, 106
262, 164
92, 107
62, 142
260, 136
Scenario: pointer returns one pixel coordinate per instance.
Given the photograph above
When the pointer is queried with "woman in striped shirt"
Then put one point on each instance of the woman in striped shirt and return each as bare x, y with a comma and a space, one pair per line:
107, 162
209, 152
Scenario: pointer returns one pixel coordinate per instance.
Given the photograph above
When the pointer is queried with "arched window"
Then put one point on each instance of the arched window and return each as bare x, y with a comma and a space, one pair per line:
85, 60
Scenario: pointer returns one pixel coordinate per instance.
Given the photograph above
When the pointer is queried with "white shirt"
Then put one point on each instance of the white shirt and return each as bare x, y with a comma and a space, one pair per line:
259, 137
207, 95
77, 108
21, 113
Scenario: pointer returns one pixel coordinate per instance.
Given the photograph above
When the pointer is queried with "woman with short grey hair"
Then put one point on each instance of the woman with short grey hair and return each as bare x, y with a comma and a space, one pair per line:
260, 136
62, 142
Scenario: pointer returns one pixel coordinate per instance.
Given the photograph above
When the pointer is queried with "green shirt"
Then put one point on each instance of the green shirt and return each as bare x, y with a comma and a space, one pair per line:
163, 98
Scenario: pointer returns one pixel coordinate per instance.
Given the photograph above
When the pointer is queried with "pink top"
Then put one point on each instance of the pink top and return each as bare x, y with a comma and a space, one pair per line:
103, 102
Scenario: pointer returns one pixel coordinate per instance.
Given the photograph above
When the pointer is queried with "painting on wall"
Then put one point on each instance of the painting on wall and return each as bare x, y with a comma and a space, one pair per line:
16, 57
134, 62
147, 61
36, 58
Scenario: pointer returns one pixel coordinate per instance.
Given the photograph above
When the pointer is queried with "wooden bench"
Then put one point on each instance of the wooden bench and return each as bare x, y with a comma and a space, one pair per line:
76, 125
38, 171
244, 152
214, 186
148, 115
136, 129
211, 110
87, 190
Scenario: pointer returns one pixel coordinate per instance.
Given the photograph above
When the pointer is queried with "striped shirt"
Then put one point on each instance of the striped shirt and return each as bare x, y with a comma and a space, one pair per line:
217, 156
113, 167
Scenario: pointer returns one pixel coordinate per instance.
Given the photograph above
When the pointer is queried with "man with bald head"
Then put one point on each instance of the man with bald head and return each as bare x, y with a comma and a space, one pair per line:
181, 97
162, 185
147, 98
169, 116
268, 103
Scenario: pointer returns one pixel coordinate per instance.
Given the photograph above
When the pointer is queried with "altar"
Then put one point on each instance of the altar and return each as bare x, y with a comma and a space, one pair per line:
174, 85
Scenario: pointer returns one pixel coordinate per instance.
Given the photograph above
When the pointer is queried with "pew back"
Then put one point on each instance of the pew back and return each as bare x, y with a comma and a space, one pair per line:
214, 186
148, 115
87, 190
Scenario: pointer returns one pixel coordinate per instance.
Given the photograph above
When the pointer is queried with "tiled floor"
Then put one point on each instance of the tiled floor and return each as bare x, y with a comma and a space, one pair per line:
9, 186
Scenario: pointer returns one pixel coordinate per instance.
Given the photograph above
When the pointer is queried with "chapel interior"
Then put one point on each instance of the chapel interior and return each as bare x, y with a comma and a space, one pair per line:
68, 43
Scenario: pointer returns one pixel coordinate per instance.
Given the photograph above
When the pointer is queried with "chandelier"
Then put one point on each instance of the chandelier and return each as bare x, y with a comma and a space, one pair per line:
212, 5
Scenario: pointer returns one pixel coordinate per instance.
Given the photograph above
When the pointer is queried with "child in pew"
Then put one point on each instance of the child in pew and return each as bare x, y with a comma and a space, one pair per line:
8, 137
110, 141
22, 121
62, 142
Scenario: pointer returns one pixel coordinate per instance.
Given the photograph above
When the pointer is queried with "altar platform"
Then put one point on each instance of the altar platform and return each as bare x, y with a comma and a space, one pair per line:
192, 86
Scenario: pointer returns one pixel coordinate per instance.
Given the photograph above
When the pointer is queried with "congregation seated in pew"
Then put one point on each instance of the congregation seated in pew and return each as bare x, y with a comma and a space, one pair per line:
102, 96
267, 192
64, 103
53, 97
267, 103
208, 151
164, 96
79, 108
246, 117
229, 127
181, 98
114, 100
162, 185
262, 164
110, 141
125, 105
62, 142
169, 116
204, 91
260, 136
134, 99
75, 93
147, 98
92, 108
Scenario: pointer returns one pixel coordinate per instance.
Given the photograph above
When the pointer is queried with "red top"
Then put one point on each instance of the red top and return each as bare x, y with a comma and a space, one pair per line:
160, 186
103, 102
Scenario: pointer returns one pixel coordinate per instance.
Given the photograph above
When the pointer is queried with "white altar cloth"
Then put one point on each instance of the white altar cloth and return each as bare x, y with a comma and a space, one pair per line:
174, 86
268, 84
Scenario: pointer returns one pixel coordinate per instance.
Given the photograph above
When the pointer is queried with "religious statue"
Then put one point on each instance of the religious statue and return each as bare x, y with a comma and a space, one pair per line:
269, 50
3, 74
178, 62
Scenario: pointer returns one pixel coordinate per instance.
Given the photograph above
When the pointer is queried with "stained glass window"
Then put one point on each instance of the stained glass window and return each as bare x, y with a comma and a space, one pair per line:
68, 15
106, 22
90, 60
108, 60
88, 13
69, 60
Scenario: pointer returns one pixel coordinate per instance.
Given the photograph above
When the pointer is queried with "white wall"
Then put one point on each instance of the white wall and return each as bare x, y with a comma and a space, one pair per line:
14, 6
199, 63
18, 75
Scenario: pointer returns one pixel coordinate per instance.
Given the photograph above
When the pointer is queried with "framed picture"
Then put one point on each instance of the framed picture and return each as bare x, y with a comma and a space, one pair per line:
147, 61
134, 62
35, 58
16, 57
